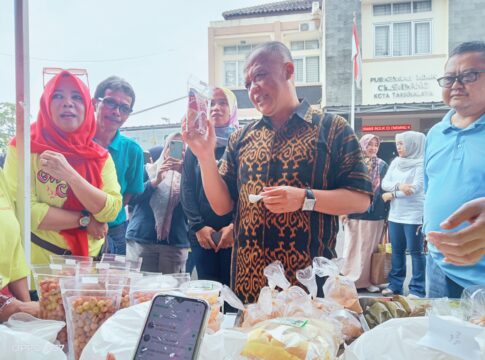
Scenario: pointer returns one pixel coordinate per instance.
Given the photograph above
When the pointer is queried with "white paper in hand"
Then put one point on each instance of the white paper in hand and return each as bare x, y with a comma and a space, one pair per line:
453, 336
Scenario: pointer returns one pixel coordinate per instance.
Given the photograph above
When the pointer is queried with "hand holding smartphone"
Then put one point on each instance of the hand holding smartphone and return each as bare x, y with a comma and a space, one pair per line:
173, 329
176, 148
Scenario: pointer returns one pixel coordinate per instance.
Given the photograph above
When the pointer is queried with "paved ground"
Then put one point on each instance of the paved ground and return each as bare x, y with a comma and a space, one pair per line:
339, 248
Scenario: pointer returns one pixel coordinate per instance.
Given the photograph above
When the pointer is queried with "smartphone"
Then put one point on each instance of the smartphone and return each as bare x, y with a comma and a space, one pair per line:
147, 157
174, 328
176, 148
216, 237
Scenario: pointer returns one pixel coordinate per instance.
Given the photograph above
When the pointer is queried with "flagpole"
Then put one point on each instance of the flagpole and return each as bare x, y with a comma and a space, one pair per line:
352, 101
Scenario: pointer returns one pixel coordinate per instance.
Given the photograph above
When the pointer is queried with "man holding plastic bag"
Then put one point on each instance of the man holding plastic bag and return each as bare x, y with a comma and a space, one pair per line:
305, 165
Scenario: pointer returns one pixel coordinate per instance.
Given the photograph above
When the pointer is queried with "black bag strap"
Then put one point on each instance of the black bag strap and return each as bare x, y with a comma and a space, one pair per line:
48, 246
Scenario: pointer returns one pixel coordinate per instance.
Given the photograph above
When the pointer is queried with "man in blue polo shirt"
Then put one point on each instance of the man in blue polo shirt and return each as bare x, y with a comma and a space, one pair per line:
114, 99
455, 169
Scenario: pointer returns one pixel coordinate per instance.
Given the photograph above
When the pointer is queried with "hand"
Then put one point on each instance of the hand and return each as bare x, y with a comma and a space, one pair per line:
30, 307
227, 238
56, 165
202, 146
466, 246
173, 164
204, 238
387, 196
407, 189
96, 229
344, 219
283, 199
110, 356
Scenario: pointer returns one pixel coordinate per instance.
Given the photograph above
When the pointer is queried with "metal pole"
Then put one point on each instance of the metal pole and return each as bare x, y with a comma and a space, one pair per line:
23, 119
352, 101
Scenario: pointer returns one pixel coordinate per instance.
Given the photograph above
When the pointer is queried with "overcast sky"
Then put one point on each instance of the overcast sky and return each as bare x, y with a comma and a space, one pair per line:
154, 44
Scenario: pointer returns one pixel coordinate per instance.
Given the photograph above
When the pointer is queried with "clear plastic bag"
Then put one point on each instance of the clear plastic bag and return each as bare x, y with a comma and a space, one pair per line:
293, 338
473, 304
275, 273
89, 302
45, 329
199, 94
121, 261
306, 276
47, 282
337, 287
69, 259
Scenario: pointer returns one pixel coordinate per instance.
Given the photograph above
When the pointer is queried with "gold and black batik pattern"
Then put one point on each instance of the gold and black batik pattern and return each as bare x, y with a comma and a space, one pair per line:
313, 150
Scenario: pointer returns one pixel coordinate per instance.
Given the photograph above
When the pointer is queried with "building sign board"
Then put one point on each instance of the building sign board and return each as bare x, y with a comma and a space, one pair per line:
374, 128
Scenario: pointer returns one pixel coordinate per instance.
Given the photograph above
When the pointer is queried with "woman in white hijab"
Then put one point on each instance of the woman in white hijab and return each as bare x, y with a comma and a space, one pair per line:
404, 184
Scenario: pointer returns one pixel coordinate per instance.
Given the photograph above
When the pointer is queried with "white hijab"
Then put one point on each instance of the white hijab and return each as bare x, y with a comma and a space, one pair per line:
414, 145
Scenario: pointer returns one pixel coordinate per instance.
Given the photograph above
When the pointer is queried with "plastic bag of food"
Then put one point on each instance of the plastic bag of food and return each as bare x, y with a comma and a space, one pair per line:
209, 291
351, 325
89, 302
307, 277
69, 259
293, 338
337, 287
199, 94
473, 304
47, 282
122, 262
275, 273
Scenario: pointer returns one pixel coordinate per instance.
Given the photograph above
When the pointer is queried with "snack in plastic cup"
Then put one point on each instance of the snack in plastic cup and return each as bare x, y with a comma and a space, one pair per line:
203, 289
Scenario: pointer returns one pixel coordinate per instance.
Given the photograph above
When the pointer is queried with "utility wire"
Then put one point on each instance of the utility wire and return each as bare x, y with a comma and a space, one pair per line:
159, 105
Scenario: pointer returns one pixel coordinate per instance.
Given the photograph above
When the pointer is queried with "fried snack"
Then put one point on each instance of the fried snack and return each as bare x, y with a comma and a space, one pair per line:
293, 339
478, 320
88, 313
343, 291
351, 326
51, 306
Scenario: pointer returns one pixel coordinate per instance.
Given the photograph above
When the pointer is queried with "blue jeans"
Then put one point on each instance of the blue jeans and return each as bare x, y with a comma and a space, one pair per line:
407, 236
438, 284
116, 239
212, 265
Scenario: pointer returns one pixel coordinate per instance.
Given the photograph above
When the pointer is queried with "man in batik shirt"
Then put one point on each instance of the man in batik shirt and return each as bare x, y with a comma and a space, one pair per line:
307, 165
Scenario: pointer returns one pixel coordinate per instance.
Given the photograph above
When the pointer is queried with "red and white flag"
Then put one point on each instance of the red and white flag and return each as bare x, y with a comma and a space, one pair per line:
356, 56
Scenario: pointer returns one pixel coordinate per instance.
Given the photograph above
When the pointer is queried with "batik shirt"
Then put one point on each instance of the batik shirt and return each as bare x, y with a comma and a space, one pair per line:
312, 150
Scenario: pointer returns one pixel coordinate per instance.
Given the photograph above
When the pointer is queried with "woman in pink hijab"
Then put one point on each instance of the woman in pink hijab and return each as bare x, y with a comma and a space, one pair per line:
363, 232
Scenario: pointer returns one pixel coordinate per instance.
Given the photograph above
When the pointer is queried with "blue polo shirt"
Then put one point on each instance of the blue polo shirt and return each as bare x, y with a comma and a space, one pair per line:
129, 161
454, 173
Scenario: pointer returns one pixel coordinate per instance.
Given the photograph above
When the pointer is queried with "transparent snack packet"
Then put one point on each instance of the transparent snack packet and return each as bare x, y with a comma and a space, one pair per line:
122, 261
89, 301
199, 94
47, 279
69, 259
275, 273
337, 287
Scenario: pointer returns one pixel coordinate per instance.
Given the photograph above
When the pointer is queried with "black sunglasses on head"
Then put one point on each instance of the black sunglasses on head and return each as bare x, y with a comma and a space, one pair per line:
112, 104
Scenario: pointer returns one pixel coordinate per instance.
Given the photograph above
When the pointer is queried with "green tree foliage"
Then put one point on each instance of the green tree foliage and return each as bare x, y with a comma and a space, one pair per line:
7, 124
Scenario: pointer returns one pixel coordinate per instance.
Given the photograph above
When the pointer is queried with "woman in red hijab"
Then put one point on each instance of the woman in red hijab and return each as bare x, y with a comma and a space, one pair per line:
74, 189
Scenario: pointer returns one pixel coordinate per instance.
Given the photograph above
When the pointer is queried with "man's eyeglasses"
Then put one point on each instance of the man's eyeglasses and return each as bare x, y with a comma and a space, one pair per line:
112, 104
464, 78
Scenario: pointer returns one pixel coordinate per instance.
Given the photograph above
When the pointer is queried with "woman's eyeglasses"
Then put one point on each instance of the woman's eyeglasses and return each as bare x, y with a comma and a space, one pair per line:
464, 78
112, 104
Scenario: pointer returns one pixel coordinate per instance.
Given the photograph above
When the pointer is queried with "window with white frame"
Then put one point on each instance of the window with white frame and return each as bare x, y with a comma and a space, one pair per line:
402, 38
233, 62
396, 8
306, 58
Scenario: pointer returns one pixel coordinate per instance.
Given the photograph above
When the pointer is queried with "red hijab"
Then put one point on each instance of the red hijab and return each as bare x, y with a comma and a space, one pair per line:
82, 153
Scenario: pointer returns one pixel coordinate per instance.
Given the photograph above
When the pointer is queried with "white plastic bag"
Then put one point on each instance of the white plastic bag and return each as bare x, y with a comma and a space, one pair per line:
17, 345
45, 329
401, 342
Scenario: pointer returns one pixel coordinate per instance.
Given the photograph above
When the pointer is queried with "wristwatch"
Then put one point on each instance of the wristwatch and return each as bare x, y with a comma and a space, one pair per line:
309, 203
84, 220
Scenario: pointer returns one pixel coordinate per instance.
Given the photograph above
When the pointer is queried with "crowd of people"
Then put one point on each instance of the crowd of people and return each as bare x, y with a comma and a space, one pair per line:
190, 202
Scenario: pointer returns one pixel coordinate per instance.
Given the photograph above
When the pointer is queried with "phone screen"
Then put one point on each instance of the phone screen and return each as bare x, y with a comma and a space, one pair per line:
176, 149
172, 329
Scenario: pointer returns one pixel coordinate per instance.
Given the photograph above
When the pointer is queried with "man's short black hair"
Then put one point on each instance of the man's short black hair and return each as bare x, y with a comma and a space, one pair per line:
115, 83
469, 47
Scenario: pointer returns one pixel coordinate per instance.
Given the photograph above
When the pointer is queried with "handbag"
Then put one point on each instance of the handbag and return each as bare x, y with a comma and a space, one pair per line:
381, 260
